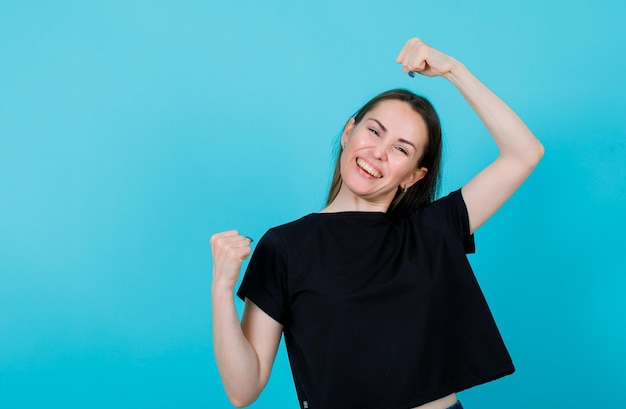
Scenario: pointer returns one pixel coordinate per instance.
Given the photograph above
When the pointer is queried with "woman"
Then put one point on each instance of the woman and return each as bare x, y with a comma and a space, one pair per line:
374, 294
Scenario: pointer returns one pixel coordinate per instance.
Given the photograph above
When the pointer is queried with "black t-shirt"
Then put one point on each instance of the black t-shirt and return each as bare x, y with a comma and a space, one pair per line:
379, 312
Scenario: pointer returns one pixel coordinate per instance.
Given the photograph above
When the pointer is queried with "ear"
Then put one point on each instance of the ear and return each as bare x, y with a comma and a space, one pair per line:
347, 130
417, 175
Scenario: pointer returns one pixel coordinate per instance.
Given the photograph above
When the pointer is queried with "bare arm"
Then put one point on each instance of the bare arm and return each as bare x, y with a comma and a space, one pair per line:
244, 351
520, 151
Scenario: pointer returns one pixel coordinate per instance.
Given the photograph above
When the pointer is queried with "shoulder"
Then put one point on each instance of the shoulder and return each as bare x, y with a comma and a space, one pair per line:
451, 203
447, 215
294, 227
285, 235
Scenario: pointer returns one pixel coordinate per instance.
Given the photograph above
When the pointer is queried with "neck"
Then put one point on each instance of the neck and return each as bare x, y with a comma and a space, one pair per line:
346, 201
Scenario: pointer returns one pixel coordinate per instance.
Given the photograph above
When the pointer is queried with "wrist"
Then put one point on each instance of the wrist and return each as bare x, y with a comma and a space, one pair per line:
458, 73
222, 287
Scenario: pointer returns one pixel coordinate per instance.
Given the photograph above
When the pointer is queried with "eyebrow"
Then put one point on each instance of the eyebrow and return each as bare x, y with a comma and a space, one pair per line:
379, 124
385, 129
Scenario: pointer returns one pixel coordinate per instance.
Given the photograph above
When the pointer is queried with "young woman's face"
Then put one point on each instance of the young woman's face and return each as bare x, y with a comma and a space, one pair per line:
381, 152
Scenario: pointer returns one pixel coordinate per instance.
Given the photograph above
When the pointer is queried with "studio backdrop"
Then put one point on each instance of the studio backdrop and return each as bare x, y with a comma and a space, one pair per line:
131, 131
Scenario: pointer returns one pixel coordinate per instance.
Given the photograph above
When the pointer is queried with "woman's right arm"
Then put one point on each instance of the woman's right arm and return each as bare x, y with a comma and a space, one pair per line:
244, 351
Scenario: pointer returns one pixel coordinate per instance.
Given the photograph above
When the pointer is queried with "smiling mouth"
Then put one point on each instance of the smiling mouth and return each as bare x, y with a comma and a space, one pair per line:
367, 168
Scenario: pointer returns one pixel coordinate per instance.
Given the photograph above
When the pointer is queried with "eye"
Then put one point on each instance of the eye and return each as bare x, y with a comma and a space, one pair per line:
401, 149
374, 131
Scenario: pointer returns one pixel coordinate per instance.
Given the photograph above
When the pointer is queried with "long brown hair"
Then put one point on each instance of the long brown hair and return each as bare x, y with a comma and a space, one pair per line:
424, 191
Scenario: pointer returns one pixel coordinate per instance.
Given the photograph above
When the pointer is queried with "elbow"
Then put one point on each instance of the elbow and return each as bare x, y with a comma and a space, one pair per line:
538, 152
525, 159
532, 155
240, 402
242, 399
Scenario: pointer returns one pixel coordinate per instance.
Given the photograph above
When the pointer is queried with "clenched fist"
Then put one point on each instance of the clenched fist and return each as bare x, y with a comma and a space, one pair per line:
418, 57
229, 250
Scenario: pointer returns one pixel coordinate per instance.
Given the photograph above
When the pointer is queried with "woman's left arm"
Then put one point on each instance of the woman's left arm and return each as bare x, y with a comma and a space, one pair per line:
520, 151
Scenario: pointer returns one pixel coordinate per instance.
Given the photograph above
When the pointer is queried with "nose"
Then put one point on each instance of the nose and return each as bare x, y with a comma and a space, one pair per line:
380, 151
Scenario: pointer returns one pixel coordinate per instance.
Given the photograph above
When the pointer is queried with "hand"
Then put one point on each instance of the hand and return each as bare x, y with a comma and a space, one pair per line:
229, 250
419, 57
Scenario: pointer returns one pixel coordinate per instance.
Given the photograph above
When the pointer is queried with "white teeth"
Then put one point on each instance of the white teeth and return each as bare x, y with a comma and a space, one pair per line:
368, 168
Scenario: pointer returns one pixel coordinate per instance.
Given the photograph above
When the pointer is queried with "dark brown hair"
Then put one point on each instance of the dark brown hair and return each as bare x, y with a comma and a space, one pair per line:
425, 190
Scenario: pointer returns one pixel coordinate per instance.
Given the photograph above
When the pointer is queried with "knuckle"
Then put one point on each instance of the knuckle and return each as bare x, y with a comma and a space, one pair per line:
231, 252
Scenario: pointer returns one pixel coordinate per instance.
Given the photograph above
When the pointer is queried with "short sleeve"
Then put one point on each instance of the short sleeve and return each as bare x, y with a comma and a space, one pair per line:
450, 215
264, 282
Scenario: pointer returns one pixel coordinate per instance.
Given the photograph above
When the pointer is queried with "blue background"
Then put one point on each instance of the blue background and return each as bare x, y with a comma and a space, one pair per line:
130, 131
